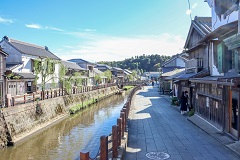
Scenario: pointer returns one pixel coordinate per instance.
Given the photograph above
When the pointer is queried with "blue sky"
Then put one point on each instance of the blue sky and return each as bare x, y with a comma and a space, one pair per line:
97, 30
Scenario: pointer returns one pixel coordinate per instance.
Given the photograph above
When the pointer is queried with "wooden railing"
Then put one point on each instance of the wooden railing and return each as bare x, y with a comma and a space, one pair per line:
110, 144
41, 95
194, 63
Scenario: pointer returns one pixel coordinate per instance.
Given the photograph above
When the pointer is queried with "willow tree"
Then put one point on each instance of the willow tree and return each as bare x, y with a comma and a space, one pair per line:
44, 69
108, 74
98, 78
69, 78
130, 77
134, 74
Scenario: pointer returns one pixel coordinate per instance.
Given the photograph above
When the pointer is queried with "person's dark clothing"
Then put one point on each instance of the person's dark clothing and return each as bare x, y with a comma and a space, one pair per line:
184, 100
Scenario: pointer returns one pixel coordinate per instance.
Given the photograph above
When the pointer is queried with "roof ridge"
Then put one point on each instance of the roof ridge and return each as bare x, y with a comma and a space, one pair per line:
26, 43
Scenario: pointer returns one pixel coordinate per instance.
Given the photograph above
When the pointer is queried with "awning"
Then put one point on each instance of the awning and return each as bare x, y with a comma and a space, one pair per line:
187, 76
221, 80
26, 75
222, 31
175, 75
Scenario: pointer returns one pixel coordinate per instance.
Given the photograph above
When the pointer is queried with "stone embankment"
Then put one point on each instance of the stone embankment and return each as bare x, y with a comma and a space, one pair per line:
19, 122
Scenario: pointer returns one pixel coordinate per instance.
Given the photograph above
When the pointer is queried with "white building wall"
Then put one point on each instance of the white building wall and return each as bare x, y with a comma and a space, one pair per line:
216, 22
180, 62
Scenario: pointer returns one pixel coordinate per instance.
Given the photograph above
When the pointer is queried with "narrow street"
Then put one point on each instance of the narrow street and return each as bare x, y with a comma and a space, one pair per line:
156, 128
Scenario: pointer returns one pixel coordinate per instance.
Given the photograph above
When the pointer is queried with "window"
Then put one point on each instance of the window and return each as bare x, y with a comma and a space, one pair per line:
214, 89
202, 87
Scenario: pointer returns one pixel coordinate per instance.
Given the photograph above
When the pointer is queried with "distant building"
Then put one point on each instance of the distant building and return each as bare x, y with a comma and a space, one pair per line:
89, 67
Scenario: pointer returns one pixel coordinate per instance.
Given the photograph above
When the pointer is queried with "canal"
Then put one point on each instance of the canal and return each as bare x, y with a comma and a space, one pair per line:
65, 140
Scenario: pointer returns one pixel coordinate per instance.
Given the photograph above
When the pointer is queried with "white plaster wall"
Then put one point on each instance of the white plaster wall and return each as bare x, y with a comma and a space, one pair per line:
216, 22
180, 62
213, 68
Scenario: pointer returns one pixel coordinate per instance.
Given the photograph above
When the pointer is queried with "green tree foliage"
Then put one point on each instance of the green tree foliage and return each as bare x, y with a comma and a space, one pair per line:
69, 78
108, 74
98, 78
143, 63
134, 74
45, 69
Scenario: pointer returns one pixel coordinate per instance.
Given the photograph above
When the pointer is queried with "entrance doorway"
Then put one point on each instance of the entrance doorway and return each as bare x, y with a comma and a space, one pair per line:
234, 113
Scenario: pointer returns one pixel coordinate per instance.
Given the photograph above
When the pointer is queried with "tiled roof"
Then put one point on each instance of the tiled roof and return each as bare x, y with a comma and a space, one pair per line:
230, 28
103, 66
175, 57
30, 49
203, 25
79, 60
26, 75
72, 65
12, 66
173, 73
97, 71
126, 70
116, 68
168, 69
186, 76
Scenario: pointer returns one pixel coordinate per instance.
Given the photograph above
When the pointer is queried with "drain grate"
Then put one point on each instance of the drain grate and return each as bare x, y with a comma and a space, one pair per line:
157, 155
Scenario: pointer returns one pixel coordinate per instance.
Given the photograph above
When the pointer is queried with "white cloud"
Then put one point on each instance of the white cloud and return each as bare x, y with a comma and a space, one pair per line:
109, 48
37, 26
34, 26
90, 30
5, 21
188, 12
194, 5
53, 28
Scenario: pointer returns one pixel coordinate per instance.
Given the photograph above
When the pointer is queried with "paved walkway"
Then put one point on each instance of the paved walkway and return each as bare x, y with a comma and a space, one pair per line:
156, 127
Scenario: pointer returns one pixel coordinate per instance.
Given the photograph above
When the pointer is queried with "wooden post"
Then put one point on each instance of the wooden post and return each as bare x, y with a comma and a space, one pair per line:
114, 141
84, 156
123, 127
51, 94
125, 120
8, 102
24, 98
119, 124
13, 101
104, 148
33, 97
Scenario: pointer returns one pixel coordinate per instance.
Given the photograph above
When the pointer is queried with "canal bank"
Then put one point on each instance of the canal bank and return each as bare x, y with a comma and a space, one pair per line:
19, 122
77, 132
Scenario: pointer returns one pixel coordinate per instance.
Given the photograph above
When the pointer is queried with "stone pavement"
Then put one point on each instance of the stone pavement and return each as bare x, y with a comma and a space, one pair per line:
158, 131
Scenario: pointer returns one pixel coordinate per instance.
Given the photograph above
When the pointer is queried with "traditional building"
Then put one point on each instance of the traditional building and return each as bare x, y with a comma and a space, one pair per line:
170, 68
89, 67
20, 65
198, 63
3, 56
217, 97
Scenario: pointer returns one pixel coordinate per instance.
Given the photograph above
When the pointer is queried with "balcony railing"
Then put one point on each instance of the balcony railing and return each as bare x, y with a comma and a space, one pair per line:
194, 63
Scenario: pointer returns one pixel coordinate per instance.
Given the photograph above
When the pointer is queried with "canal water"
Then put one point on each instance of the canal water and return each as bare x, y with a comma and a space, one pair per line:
65, 140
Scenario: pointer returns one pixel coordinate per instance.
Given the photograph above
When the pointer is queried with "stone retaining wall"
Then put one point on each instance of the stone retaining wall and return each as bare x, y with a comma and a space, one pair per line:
3, 132
26, 117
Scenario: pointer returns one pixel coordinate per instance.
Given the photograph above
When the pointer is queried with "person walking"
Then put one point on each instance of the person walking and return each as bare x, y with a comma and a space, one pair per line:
183, 107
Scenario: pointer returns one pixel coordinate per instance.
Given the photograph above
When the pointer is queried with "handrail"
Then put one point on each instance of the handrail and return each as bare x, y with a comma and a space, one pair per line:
116, 135
47, 94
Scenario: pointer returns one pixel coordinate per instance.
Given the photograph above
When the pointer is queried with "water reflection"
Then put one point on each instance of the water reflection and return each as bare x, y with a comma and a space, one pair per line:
66, 139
